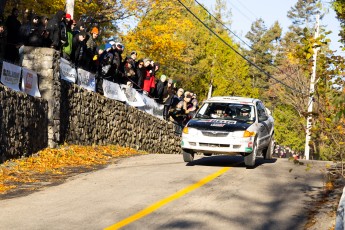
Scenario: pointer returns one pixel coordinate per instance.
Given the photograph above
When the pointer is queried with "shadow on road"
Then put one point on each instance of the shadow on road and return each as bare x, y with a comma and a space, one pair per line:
228, 161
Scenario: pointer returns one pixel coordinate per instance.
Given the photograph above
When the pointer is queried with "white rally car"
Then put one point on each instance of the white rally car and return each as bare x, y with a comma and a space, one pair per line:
232, 126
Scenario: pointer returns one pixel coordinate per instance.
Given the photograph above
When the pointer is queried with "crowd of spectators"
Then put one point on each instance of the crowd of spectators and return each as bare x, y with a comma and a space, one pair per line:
78, 44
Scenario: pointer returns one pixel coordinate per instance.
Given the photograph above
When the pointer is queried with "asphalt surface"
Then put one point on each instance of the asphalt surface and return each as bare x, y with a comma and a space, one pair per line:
274, 195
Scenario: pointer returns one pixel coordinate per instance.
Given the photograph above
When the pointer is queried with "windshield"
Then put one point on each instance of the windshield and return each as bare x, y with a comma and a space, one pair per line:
229, 111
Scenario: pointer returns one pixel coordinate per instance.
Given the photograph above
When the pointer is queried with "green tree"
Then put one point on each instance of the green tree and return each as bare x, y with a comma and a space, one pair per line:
298, 48
263, 52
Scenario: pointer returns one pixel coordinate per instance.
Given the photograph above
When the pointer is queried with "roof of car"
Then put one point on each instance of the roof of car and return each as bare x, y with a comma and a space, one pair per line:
232, 99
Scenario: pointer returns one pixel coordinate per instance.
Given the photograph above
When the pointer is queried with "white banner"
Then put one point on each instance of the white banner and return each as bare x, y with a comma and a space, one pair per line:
133, 98
152, 107
10, 75
67, 72
86, 80
113, 91
29, 83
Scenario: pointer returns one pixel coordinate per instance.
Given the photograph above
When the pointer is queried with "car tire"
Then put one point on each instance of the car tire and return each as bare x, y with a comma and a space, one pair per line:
268, 153
249, 160
187, 157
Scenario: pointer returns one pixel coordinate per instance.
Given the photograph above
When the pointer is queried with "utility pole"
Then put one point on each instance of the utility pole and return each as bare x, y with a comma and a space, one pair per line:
311, 94
209, 95
70, 7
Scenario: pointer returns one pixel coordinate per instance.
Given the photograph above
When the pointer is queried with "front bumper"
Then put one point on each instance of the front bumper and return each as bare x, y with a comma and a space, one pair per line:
231, 145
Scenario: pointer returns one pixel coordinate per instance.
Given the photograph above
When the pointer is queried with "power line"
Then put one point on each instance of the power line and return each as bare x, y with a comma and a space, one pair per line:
233, 49
251, 12
255, 51
249, 19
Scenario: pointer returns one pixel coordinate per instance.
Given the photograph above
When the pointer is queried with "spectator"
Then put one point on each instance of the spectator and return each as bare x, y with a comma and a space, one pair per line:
54, 27
149, 80
180, 94
67, 47
160, 88
31, 32
78, 51
130, 74
140, 72
156, 67
68, 18
167, 95
134, 58
80, 26
119, 73
177, 98
177, 114
45, 34
195, 104
106, 67
187, 106
91, 49
12, 26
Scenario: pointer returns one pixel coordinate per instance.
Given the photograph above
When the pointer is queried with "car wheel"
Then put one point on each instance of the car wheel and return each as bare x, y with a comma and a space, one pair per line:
268, 153
187, 157
250, 159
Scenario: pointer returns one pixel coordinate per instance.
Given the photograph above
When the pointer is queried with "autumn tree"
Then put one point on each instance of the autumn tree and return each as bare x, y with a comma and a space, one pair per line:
106, 14
189, 51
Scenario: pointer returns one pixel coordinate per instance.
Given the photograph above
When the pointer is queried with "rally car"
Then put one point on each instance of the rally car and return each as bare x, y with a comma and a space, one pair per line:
232, 126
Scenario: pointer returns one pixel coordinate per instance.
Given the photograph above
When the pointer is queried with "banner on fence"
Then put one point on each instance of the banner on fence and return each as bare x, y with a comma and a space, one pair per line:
86, 80
10, 75
152, 107
67, 71
113, 91
133, 98
30, 82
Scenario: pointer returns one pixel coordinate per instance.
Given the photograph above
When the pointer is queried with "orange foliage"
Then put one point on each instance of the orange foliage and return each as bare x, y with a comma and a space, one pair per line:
55, 161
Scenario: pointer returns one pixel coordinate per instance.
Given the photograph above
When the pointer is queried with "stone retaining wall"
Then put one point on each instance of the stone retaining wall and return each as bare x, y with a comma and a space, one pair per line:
69, 114
23, 124
89, 118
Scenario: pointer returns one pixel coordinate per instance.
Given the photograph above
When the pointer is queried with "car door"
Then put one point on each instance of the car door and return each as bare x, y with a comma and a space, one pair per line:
264, 125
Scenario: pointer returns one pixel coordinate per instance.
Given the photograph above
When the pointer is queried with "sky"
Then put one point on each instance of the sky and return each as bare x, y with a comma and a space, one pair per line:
245, 12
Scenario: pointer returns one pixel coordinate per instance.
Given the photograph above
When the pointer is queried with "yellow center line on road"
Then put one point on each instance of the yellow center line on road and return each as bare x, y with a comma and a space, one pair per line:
167, 200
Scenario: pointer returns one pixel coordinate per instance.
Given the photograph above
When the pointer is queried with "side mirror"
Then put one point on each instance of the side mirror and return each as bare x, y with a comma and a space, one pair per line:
268, 112
263, 118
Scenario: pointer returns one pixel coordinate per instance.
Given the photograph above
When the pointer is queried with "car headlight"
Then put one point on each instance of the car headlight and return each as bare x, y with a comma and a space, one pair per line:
248, 134
191, 131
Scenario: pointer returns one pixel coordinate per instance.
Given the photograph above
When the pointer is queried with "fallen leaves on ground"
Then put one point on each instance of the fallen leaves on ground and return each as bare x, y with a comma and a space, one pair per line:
49, 163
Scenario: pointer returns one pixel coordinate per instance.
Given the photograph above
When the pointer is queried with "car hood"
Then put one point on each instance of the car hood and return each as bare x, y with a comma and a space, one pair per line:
218, 125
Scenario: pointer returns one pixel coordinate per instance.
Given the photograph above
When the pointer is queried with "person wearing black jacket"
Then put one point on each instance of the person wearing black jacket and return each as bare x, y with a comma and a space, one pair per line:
160, 86
54, 27
13, 26
31, 33
78, 55
117, 49
140, 71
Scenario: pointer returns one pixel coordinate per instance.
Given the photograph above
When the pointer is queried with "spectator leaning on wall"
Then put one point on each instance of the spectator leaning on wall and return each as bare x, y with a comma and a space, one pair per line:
91, 47
13, 26
54, 29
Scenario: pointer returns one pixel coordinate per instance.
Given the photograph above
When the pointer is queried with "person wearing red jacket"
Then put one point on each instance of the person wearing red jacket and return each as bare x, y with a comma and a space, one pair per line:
149, 83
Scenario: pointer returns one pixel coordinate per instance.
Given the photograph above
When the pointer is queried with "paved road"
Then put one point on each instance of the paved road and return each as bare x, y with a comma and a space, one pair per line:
274, 195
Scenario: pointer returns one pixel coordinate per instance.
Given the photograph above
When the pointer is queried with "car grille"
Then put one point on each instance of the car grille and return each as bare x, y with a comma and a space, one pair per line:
214, 145
214, 134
